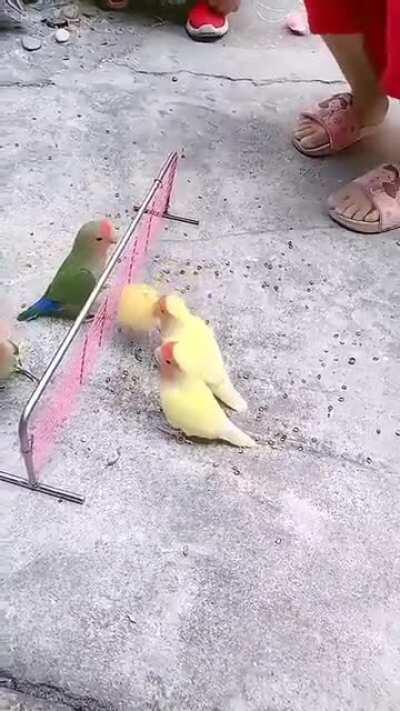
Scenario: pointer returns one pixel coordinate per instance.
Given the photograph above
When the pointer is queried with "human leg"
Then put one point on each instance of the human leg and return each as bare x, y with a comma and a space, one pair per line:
364, 38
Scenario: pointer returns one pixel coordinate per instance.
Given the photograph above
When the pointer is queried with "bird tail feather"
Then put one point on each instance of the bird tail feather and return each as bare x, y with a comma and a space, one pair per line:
235, 436
227, 393
42, 307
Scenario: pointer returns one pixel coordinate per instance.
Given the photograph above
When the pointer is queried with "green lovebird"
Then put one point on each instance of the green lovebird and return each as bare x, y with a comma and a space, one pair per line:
78, 274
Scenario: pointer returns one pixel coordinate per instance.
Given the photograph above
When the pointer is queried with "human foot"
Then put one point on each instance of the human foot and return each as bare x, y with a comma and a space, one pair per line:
370, 204
338, 122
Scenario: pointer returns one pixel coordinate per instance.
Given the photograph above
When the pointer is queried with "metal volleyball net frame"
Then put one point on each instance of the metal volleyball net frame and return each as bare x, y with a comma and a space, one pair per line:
39, 426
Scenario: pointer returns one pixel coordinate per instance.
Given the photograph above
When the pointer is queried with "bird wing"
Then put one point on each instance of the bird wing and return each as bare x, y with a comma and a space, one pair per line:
192, 408
71, 286
198, 352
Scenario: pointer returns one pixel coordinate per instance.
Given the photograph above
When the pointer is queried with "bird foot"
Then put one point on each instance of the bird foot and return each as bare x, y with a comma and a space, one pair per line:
22, 371
176, 434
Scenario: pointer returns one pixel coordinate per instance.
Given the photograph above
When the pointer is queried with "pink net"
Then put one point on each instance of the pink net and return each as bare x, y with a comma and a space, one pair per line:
62, 396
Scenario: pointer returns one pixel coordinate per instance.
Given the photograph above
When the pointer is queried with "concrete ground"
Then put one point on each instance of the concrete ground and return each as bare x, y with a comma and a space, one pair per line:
199, 578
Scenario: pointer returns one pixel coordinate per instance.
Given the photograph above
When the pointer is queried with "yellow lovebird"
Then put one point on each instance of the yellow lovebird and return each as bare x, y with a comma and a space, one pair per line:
10, 361
136, 307
8, 358
196, 350
189, 405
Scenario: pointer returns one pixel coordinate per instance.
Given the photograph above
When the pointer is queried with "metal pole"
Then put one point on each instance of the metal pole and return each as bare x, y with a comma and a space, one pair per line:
42, 488
169, 216
25, 439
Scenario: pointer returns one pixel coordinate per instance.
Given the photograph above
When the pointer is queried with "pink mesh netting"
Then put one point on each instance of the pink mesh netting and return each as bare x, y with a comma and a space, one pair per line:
61, 399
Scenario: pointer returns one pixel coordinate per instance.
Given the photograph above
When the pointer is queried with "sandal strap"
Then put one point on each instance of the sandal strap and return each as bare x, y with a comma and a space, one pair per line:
382, 186
337, 116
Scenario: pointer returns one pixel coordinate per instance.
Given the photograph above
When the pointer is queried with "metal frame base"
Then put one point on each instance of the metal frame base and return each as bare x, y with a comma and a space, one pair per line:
42, 488
169, 216
26, 440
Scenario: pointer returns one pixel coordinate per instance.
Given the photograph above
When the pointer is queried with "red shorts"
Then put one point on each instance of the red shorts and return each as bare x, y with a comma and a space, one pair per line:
377, 20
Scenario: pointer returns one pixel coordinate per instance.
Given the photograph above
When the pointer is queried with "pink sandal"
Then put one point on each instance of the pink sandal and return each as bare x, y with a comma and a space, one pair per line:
382, 187
337, 116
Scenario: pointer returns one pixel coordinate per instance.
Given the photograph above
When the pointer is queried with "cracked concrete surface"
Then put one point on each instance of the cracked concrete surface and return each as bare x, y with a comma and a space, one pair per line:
197, 578
16, 701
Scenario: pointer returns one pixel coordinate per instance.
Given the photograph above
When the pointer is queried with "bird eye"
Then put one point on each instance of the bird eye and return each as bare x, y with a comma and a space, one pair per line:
99, 239
168, 362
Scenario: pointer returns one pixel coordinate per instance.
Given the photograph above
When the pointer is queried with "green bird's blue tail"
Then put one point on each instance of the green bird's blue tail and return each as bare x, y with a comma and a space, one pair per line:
43, 307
